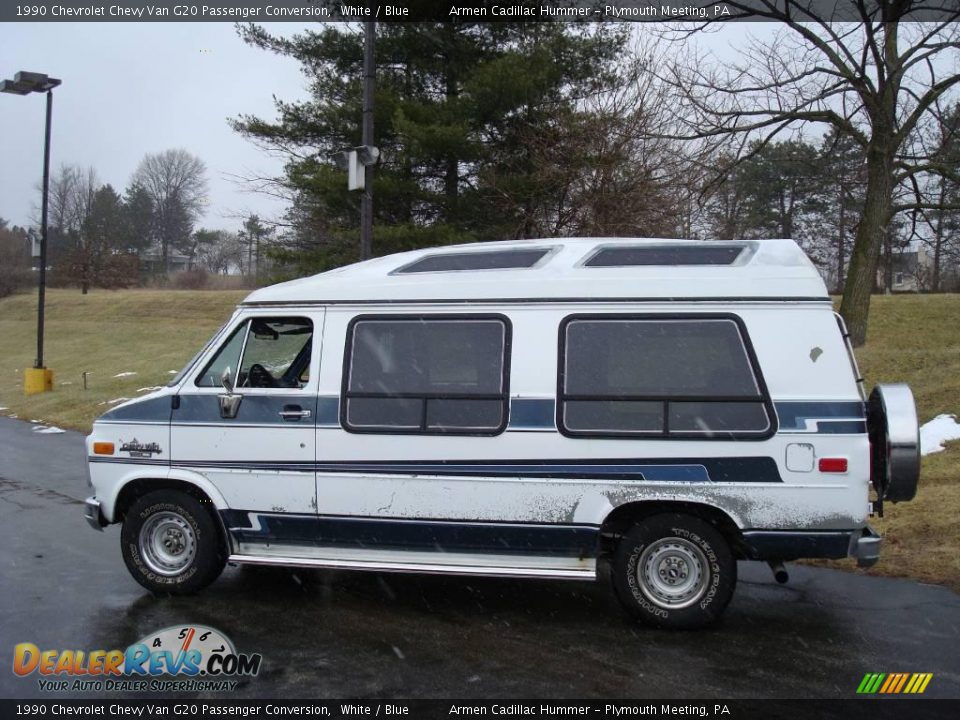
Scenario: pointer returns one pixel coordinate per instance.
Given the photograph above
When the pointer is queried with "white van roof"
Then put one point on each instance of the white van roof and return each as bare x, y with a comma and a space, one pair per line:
566, 269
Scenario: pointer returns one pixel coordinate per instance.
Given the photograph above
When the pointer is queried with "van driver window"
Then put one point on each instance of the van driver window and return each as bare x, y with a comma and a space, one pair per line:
276, 354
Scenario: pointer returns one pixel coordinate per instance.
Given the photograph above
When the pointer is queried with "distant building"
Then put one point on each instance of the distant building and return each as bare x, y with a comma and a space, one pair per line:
151, 262
911, 271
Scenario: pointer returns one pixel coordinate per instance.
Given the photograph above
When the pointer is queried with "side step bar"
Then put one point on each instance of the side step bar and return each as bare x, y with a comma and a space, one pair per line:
588, 573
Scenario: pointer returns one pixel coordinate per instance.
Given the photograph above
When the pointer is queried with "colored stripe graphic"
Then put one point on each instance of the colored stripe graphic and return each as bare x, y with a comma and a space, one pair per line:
894, 683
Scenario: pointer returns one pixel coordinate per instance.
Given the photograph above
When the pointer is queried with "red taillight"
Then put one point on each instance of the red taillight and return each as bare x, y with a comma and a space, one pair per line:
836, 465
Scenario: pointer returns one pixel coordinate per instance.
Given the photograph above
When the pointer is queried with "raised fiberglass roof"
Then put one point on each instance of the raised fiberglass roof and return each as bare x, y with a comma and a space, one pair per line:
565, 270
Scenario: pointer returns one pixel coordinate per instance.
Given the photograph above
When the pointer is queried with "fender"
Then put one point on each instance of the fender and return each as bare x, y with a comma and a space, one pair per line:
596, 507
188, 476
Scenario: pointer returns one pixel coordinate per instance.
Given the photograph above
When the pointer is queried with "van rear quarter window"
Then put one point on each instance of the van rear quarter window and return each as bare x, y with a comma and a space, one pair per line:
686, 377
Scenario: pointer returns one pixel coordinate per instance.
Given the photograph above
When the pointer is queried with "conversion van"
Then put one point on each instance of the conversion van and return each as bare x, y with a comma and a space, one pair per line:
517, 409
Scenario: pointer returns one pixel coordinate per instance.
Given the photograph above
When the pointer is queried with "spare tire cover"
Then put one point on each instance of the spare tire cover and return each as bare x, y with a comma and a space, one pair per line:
895, 442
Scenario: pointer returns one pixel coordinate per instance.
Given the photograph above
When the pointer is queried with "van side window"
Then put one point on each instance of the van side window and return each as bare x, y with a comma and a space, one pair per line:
660, 377
426, 374
264, 353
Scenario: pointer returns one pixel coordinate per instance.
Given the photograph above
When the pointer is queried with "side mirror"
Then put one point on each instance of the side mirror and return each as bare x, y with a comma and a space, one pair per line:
226, 380
230, 401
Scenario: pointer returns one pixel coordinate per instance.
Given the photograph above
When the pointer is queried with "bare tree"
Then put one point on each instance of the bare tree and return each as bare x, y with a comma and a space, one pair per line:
217, 251
596, 168
936, 227
875, 79
71, 194
175, 181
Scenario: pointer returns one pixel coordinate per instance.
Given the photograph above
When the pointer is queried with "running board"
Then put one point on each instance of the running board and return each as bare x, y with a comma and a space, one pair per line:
588, 572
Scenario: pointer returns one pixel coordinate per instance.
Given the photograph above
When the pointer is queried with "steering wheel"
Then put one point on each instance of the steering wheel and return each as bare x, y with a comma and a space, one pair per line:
260, 377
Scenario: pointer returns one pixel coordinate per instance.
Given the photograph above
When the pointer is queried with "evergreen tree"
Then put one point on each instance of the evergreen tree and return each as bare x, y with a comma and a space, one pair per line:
457, 108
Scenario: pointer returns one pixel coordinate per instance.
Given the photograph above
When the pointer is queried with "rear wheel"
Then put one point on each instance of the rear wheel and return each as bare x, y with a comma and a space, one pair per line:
171, 544
674, 571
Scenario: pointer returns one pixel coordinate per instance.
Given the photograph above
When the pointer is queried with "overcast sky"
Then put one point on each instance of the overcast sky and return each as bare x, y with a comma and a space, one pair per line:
131, 89
136, 88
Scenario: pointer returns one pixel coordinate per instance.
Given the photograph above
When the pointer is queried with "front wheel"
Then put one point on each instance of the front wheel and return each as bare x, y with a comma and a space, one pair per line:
674, 571
171, 544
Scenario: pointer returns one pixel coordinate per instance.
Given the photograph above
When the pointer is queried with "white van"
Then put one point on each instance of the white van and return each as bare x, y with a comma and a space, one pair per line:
522, 409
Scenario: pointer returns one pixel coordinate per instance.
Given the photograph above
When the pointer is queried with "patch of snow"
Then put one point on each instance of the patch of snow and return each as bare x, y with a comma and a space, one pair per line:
36, 421
48, 430
67, 382
12, 416
150, 389
172, 372
125, 374
938, 431
117, 400
3, 408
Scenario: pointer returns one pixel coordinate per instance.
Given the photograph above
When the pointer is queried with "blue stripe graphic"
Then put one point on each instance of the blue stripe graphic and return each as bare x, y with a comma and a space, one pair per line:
692, 470
444, 536
793, 417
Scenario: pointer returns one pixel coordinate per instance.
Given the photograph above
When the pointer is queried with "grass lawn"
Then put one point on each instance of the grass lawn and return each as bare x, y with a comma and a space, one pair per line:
912, 339
916, 339
147, 332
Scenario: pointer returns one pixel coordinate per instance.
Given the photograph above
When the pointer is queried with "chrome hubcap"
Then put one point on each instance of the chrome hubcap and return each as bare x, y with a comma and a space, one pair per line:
167, 543
673, 573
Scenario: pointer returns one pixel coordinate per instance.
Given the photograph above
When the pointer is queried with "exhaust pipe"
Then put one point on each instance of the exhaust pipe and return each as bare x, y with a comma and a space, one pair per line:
780, 573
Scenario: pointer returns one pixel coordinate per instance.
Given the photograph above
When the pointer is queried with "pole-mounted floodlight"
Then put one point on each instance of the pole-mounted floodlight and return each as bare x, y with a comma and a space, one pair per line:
355, 161
39, 378
24, 83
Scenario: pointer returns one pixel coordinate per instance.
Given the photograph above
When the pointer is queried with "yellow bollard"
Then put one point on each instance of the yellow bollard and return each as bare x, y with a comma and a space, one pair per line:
37, 380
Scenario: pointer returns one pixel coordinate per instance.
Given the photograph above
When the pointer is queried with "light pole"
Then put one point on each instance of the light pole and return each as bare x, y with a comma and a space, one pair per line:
39, 379
360, 161
369, 86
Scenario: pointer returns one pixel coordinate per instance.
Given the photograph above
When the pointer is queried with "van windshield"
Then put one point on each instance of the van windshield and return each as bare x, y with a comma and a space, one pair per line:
193, 361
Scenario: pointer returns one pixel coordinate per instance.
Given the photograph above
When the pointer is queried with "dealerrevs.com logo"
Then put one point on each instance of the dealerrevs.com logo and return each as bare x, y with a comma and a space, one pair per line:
179, 658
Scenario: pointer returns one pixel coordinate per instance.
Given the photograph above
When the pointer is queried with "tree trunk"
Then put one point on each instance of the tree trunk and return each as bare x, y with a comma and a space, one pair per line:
862, 275
451, 180
85, 274
841, 234
887, 262
937, 241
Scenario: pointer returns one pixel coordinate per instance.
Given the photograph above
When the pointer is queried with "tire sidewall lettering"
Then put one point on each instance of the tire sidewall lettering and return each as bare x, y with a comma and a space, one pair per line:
718, 564
134, 548
634, 584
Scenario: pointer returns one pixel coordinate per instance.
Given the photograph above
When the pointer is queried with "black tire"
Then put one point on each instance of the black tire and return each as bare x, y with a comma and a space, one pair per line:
187, 534
692, 554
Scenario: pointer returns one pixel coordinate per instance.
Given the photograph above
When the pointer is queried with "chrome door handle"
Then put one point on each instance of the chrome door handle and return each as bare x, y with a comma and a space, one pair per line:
293, 412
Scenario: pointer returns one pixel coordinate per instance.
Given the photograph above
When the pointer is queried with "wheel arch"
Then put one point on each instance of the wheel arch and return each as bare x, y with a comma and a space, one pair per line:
194, 485
619, 521
191, 483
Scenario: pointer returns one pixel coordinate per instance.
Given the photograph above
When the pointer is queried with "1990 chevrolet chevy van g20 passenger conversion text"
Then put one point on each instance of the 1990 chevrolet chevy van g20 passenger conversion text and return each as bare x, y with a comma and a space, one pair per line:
527, 409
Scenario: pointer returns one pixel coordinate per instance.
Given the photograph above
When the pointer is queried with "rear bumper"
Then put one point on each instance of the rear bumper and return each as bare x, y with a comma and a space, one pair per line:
863, 544
92, 514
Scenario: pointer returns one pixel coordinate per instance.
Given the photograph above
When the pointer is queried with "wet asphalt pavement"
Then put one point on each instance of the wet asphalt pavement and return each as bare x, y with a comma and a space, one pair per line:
337, 634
